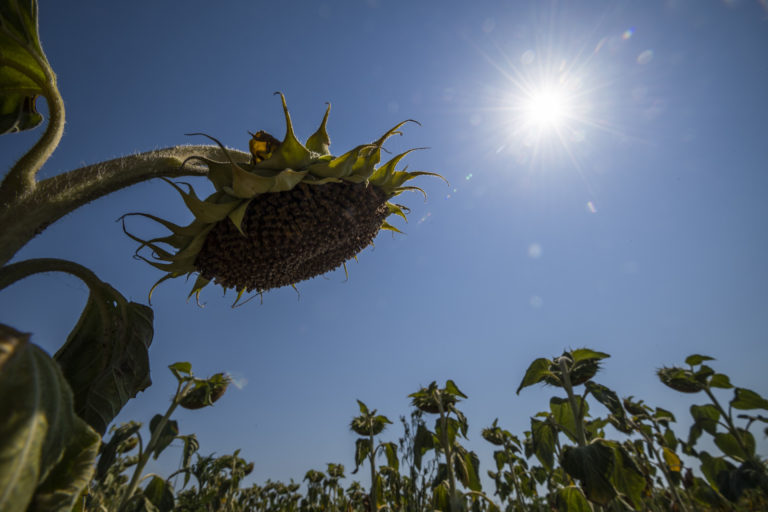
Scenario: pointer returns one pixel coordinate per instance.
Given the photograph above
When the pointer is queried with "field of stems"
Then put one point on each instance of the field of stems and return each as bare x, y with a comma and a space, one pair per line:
588, 450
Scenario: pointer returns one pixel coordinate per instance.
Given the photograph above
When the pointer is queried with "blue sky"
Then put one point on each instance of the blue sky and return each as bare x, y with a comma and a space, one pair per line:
636, 226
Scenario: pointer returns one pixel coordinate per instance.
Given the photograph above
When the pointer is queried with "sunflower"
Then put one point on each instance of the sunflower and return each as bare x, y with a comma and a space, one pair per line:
294, 211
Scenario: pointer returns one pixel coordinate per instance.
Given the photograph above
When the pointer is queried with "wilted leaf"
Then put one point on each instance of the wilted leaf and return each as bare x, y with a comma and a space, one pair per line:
468, 469
108, 452
390, 450
191, 445
422, 442
105, 357
362, 449
592, 465
46, 451
607, 397
672, 460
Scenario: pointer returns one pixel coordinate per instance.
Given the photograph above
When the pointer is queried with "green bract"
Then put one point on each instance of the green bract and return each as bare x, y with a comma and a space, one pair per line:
294, 211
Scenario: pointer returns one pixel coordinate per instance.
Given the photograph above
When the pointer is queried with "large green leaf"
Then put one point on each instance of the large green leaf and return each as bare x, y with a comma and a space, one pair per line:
536, 372
571, 499
423, 441
714, 468
720, 380
565, 417
705, 419
626, 477
22, 66
453, 389
362, 449
729, 445
46, 451
746, 399
592, 465
584, 354
105, 357
607, 397
467, 468
160, 493
543, 442
390, 450
696, 359
164, 437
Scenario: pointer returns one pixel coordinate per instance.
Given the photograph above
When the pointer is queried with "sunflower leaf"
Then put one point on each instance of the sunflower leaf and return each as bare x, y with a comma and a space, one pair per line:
22, 62
47, 452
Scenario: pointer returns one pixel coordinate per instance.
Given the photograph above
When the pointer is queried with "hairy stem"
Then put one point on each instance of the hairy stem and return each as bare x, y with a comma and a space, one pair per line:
25, 217
20, 181
18, 271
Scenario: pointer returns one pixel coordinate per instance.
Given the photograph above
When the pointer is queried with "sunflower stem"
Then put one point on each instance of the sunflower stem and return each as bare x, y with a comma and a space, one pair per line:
59, 195
565, 370
20, 181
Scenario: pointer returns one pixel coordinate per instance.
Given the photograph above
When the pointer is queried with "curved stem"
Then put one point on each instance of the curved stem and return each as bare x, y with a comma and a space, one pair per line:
20, 181
25, 217
18, 271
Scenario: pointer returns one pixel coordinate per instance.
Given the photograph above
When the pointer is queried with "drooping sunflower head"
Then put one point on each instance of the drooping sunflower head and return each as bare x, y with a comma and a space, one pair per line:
294, 211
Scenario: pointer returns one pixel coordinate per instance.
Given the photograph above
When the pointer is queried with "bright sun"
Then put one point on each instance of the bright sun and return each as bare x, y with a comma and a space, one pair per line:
546, 108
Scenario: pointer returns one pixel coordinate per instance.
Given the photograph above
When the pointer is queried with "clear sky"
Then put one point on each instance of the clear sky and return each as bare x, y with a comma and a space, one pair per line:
630, 217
